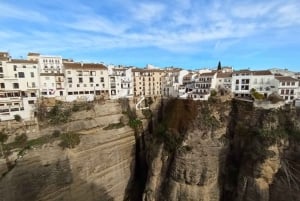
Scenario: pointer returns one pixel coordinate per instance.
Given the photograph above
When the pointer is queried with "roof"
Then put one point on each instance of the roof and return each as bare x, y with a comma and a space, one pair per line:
262, 72
146, 70
22, 61
285, 79
207, 74
223, 75
76, 65
33, 54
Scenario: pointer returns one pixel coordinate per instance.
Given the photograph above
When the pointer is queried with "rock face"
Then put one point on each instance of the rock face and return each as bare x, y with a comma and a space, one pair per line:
99, 168
191, 170
188, 150
264, 157
227, 151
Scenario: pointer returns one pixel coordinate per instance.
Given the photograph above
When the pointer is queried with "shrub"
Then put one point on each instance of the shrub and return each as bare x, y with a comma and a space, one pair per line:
18, 118
21, 140
3, 136
257, 95
56, 133
213, 93
69, 140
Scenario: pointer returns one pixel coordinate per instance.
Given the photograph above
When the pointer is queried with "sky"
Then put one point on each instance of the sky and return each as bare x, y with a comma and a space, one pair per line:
191, 34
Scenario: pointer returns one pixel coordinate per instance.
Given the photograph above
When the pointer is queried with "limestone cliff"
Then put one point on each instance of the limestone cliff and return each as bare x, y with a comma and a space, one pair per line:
188, 167
229, 151
99, 168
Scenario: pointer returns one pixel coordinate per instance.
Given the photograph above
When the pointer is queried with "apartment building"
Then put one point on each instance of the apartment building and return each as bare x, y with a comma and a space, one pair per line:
288, 88
224, 80
147, 82
120, 82
204, 83
52, 79
86, 81
19, 87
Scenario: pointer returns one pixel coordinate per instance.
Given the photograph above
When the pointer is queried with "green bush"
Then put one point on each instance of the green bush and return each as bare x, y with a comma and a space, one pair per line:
21, 140
69, 140
135, 123
256, 95
213, 93
56, 133
18, 118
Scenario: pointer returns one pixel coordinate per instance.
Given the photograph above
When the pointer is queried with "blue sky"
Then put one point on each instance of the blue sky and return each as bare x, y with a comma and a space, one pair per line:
191, 34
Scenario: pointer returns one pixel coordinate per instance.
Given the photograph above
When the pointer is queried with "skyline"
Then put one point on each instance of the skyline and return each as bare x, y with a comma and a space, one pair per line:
181, 33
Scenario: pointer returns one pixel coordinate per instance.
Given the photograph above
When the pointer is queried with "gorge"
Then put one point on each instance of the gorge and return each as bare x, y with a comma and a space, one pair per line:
216, 150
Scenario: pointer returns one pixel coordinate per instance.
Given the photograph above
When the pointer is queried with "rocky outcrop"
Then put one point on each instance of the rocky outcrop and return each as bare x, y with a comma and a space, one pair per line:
99, 168
191, 170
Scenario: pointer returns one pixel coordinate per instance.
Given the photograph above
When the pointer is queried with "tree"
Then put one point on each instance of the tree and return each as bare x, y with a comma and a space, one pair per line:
3, 138
219, 66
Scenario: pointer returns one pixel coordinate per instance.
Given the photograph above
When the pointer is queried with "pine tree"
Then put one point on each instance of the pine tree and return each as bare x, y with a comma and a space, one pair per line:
219, 66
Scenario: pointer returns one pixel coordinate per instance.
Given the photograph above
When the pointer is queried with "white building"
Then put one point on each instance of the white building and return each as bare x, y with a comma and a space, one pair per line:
51, 75
19, 88
120, 82
203, 85
224, 80
86, 81
245, 80
288, 88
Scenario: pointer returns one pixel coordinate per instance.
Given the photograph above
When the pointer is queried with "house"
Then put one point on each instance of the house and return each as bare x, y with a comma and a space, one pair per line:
51, 74
245, 80
147, 82
19, 88
263, 82
203, 85
120, 82
224, 81
86, 81
288, 88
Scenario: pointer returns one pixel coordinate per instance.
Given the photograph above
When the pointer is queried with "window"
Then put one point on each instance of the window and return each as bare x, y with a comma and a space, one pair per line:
32, 74
292, 91
32, 95
21, 74
75, 92
80, 80
70, 85
69, 72
293, 83
16, 85
91, 79
33, 84
70, 93
237, 81
44, 93
2, 85
24, 66
69, 80
31, 102
15, 67
101, 79
1, 70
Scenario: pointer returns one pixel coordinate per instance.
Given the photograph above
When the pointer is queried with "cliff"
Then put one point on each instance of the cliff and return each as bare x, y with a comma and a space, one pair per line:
218, 150
99, 168
227, 151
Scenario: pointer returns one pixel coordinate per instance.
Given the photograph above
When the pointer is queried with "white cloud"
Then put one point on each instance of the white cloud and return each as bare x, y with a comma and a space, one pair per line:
11, 11
253, 10
97, 24
147, 12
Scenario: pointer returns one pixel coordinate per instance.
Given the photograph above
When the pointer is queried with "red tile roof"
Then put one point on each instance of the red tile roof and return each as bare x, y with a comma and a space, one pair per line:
76, 65
286, 79
22, 61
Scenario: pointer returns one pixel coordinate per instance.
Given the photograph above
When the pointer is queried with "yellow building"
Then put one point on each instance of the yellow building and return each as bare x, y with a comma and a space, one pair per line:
148, 82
